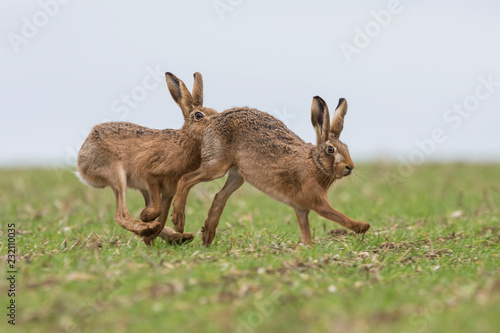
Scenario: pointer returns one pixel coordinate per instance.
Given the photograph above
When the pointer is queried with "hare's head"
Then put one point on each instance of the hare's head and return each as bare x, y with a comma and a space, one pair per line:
195, 115
333, 156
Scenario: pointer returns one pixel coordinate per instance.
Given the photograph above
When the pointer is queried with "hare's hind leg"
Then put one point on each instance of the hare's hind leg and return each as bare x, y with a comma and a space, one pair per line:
303, 219
233, 182
122, 216
207, 172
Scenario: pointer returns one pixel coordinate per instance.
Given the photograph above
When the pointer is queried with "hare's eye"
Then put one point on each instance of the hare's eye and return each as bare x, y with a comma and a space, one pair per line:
199, 115
330, 150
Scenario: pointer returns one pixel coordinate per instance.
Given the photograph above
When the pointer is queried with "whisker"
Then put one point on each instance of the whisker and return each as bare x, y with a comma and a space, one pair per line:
356, 180
360, 174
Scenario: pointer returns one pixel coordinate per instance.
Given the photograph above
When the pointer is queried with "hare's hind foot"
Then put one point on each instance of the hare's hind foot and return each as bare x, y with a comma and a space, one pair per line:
170, 236
137, 227
173, 237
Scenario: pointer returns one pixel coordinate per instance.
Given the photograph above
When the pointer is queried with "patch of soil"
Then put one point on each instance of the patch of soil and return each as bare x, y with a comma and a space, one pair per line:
340, 233
493, 230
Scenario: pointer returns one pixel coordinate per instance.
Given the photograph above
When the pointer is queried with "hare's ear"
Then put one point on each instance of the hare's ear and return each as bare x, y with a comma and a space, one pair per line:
180, 94
338, 118
320, 119
198, 90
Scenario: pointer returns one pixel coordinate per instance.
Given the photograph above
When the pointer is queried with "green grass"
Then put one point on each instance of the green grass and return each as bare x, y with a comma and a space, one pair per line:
430, 263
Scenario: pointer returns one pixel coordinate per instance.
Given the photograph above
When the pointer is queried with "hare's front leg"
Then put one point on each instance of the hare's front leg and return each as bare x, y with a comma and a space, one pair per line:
233, 182
147, 199
303, 219
169, 234
324, 209
208, 171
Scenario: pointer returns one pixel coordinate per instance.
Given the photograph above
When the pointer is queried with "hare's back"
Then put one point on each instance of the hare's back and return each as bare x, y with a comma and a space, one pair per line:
121, 135
116, 141
268, 154
248, 129
121, 130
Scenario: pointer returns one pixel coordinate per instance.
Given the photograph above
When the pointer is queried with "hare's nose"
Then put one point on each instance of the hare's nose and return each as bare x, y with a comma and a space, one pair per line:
348, 169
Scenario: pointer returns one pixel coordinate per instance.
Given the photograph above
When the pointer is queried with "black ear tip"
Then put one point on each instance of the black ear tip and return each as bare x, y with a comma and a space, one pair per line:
319, 99
171, 78
341, 100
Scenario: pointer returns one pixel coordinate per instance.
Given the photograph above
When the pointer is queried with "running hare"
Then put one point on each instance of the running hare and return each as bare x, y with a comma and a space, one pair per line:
258, 148
121, 155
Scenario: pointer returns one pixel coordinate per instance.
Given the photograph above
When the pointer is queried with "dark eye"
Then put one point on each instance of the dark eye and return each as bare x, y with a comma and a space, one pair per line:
199, 115
330, 149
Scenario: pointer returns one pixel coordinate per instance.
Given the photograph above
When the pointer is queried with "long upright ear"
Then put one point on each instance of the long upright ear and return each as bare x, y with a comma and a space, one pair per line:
338, 118
180, 94
198, 89
320, 119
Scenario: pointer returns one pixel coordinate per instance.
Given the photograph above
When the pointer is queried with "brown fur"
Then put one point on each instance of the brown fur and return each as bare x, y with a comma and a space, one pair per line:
258, 148
121, 155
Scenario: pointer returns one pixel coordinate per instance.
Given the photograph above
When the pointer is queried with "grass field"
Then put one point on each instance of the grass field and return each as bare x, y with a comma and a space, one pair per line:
430, 263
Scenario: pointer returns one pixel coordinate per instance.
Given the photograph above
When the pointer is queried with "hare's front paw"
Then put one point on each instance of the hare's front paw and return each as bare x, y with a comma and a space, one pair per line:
178, 218
148, 214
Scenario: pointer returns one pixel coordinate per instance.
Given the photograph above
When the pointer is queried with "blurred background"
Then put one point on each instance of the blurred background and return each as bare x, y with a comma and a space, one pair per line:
422, 78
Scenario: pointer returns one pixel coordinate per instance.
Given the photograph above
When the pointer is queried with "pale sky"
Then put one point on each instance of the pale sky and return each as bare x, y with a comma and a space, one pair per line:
422, 78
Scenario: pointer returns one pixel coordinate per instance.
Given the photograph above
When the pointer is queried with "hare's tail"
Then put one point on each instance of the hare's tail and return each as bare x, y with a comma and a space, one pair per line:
77, 174
88, 181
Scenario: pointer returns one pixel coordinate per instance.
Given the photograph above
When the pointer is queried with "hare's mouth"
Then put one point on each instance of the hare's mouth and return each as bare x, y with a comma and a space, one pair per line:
347, 171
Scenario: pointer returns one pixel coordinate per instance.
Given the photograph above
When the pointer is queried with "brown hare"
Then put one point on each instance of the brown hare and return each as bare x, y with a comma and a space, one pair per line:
258, 148
121, 155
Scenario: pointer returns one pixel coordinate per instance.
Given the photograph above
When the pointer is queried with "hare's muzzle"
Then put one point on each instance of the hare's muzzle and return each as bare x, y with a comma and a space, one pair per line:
348, 170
